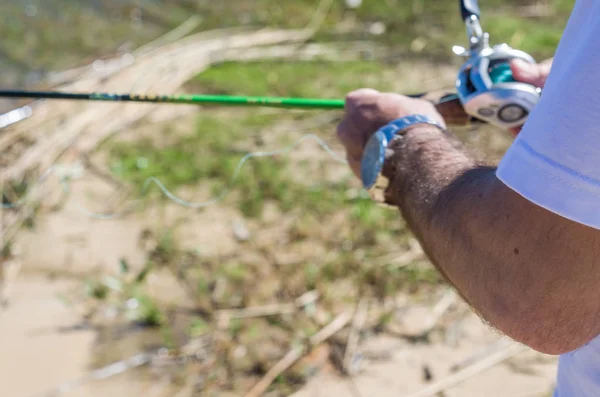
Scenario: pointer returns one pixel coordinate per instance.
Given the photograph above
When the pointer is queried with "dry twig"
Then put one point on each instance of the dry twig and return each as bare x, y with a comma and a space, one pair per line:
432, 319
297, 352
225, 316
290, 358
101, 373
481, 355
360, 317
468, 372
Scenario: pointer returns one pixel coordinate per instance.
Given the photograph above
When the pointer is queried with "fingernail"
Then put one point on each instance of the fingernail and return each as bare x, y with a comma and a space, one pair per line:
523, 71
521, 64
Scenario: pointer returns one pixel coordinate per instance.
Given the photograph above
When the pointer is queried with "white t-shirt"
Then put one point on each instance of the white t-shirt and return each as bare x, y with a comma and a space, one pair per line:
555, 161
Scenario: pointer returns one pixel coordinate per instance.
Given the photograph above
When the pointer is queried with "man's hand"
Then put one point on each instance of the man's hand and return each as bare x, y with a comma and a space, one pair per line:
368, 110
534, 74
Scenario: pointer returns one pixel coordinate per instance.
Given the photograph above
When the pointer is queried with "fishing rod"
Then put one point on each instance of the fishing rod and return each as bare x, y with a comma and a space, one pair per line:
262, 101
446, 103
485, 88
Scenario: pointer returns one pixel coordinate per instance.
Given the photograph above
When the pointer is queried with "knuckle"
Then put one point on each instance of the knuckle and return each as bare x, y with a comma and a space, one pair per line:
364, 92
384, 101
389, 103
361, 94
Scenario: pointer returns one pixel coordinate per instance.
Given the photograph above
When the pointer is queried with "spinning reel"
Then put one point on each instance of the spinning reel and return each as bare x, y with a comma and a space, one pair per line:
485, 84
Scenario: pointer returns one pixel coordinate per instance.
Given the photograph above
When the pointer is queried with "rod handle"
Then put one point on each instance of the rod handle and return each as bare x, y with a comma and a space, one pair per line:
450, 108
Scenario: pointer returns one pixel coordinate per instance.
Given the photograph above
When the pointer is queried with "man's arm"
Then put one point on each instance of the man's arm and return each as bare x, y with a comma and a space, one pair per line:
526, 271
527, 262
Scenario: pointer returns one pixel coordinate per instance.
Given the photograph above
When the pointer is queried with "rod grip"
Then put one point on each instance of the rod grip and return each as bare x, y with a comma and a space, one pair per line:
469, 8
449, 107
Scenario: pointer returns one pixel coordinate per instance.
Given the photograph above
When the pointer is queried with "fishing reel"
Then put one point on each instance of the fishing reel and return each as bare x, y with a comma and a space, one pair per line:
485, 84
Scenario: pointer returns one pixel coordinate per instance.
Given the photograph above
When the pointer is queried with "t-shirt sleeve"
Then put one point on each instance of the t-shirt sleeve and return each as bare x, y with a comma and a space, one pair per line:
555, 160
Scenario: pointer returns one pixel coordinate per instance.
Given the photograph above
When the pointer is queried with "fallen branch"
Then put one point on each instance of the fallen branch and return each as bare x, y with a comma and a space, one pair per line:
423, 329
360, 317
180, 31
290, 358
101, 374
297, 352
333, 327
481, 355
138, 360
303, 52
257, 311
463, 375
267, 310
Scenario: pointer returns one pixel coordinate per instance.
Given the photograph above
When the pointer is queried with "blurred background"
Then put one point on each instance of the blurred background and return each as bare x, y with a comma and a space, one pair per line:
144, 250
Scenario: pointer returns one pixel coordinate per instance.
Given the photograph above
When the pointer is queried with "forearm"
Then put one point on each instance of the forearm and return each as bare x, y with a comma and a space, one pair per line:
494, 246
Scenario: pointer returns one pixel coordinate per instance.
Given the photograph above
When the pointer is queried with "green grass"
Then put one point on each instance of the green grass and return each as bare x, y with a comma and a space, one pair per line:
205, 159
198, 327
80, 31
439, 25
534, 37
187, 161
299, 79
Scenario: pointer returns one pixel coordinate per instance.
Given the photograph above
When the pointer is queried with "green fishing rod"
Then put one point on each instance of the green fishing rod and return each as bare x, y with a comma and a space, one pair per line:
446, 103
194, 99
225, 100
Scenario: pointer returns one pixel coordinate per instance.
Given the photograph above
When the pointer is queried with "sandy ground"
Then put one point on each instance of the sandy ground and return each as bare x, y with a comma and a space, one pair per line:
42, 346
39, 349
402, 374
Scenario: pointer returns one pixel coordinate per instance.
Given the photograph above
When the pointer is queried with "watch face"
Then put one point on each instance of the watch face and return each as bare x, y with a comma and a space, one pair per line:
373, 157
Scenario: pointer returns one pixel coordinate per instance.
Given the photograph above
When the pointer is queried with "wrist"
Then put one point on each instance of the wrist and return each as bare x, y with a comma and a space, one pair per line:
382, 151
400, 162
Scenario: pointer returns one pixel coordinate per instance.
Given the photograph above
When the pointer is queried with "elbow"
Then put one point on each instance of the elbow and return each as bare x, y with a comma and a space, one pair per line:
550, 344
549, 328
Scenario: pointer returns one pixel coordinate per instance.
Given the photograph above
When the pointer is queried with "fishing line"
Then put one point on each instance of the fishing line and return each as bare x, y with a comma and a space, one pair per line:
65, 181
23, 199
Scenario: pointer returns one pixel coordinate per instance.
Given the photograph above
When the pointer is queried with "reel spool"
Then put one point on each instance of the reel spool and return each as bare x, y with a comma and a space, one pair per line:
485, 84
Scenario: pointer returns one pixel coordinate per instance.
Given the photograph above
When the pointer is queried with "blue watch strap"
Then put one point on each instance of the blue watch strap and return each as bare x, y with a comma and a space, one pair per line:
374, 152
405, 122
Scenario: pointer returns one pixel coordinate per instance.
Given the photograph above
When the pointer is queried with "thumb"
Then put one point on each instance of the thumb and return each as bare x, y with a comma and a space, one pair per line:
526, 72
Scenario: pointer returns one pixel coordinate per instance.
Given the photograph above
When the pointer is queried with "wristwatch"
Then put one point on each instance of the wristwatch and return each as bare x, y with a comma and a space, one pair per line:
374, 154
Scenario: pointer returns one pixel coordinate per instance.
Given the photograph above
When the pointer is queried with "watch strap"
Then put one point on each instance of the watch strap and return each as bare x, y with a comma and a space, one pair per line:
375, 152
400, 125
